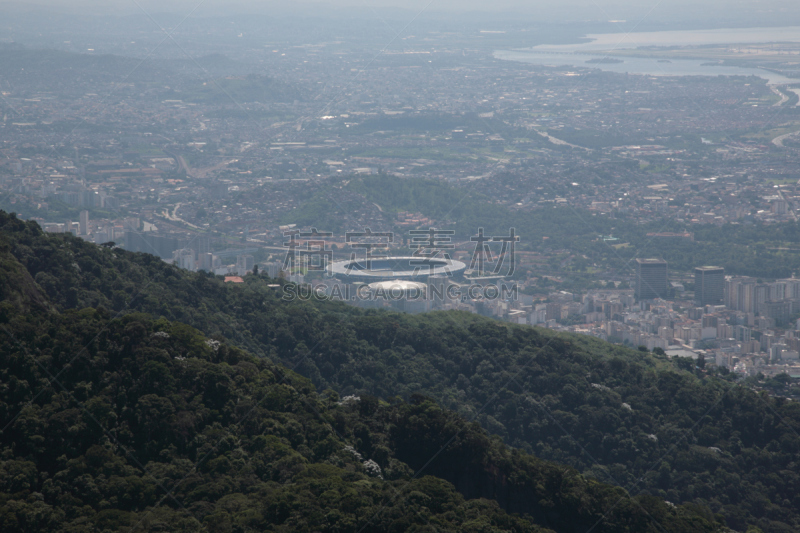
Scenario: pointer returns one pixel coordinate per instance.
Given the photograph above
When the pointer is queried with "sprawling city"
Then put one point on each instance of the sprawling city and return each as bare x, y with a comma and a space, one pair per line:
371, 222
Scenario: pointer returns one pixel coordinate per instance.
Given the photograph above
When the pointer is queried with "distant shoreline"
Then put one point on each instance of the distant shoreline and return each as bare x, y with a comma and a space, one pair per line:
586, 54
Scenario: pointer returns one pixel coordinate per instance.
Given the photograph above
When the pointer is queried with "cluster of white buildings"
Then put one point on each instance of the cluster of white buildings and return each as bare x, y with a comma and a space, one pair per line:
750, 332
191, 260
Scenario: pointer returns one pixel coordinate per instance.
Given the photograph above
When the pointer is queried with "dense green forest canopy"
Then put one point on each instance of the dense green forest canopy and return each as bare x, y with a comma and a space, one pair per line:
121, 421
629, 418
154, 427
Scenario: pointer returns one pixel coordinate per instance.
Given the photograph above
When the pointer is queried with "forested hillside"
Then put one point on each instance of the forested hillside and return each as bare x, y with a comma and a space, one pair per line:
155, 428
137, 423
616, 415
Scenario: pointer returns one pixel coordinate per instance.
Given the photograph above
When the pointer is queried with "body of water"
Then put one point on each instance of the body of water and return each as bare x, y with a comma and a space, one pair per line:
577, 55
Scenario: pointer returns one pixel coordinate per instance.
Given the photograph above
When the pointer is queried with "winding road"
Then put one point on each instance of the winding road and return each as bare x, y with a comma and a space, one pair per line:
778, 141
780, 93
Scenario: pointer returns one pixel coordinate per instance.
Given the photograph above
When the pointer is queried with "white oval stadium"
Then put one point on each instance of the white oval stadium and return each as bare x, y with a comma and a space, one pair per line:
407, 268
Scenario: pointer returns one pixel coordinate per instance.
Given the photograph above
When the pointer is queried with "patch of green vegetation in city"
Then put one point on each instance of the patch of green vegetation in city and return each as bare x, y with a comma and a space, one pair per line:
265, 117
596, 139
146, 150
443, 153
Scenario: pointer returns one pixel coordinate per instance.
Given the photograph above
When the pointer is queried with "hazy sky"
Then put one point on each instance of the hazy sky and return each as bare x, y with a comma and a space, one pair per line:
644, 15
577, 8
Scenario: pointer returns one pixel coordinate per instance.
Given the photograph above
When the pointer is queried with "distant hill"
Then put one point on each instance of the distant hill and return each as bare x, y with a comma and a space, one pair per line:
65, 74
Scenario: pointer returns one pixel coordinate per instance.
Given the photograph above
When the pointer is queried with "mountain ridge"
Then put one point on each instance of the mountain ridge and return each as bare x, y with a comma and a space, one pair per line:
121, 421
580, 401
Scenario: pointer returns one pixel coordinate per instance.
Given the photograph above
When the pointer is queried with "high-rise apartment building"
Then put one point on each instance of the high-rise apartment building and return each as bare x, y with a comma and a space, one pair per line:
709, 285
206, 261
746, 296
651, 279
184, 258
244, 264
761, 295
84, 222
